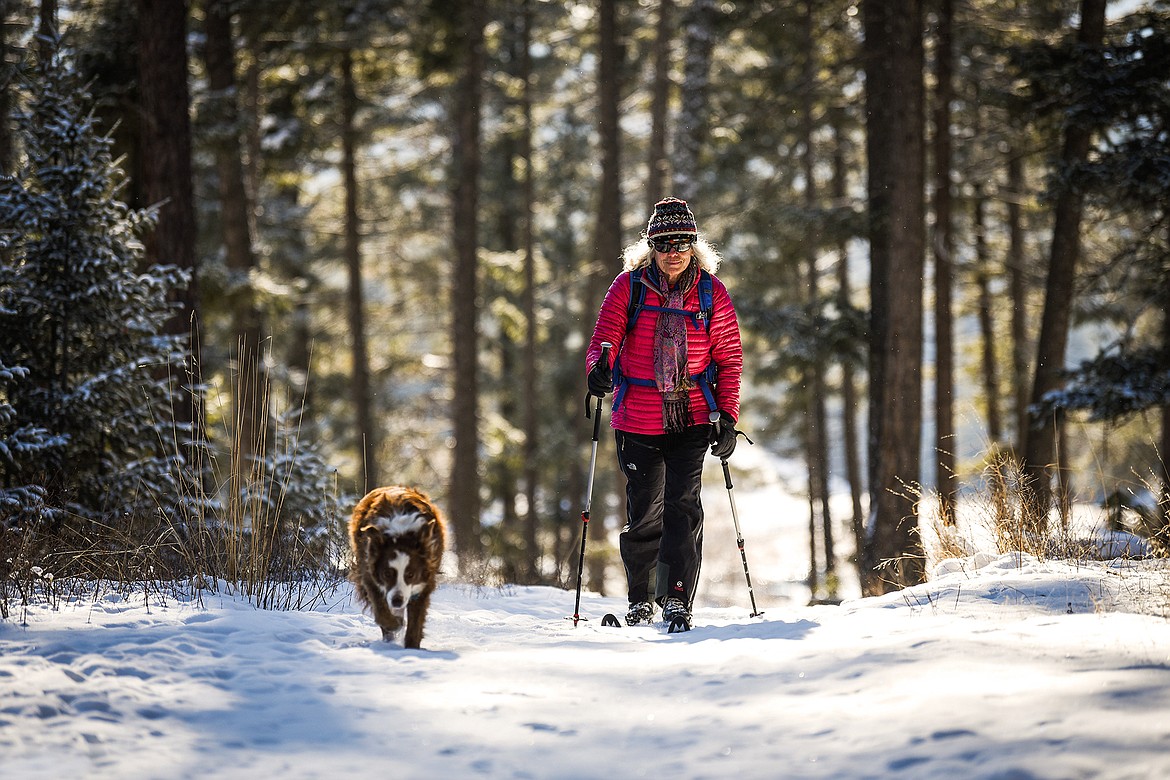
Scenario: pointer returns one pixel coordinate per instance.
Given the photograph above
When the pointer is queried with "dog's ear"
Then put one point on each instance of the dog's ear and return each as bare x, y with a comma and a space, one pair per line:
431, 536
370, 537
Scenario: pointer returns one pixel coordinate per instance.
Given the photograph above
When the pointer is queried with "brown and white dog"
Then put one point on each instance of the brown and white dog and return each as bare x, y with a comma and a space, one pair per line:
397, 537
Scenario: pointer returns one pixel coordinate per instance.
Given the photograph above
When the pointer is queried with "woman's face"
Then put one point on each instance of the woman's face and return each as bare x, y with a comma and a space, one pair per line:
675, 259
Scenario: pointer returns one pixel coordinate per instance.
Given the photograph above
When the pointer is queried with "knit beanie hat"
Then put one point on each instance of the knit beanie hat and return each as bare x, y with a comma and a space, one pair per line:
671, 217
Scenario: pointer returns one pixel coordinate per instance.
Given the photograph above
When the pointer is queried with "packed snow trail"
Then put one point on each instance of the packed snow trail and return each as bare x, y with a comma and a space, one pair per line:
1014, 669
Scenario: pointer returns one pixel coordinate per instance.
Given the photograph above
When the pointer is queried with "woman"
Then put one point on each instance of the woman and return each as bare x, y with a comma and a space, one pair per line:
677, 359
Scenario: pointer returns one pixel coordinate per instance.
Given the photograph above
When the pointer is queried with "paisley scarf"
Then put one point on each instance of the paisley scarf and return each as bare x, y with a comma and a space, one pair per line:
671, 374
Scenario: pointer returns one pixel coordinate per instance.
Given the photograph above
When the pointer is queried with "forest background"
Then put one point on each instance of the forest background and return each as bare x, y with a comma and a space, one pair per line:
260, 257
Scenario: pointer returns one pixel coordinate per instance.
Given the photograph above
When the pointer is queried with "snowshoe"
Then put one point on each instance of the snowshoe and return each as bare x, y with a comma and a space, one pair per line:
610, 621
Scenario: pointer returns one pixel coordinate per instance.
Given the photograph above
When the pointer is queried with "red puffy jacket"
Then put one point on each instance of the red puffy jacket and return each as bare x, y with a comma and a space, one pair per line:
641, 408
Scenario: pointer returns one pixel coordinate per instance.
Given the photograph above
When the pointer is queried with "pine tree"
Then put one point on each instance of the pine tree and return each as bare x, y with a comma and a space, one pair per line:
19, 443
81, 320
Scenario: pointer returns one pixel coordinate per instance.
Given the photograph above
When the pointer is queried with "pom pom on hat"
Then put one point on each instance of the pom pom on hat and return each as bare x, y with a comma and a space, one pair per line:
671, 217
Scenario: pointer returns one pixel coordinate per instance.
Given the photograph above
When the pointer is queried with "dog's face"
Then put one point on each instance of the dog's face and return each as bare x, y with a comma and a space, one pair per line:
395, 548
402, 578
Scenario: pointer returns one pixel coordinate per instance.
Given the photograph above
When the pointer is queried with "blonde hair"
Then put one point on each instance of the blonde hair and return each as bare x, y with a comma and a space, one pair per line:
640, 254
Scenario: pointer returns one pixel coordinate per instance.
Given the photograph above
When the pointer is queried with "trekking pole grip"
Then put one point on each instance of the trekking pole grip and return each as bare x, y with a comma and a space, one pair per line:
716, 420
605, 348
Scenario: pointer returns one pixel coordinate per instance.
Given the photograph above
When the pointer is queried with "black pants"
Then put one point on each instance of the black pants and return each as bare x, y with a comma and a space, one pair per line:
663, 535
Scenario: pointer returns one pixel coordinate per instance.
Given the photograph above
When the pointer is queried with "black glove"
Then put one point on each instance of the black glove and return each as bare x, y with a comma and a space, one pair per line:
723, 436
600, 380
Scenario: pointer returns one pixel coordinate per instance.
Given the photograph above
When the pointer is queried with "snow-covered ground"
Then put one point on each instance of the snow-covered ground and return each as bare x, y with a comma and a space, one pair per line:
1017, 669
1000, 667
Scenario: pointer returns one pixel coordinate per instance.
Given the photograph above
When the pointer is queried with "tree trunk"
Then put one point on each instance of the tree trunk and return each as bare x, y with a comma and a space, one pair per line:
250, 392
1040, 443
817, 418
986, 318
298, 267
609, 224
849, 401
365, 430
1161, 531
1018, 290
945, 444
894, 146
504, 483
252, 108
691, 129
465, 480
167, 178
657, 164
47, 28
531, 421
814, 578
7, 54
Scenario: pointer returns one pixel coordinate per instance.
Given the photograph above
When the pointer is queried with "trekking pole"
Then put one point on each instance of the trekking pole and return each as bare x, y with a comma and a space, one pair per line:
605, 347
714, 417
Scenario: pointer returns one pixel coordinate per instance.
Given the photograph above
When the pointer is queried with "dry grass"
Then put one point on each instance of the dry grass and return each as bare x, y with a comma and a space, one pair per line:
244, 531
996, 514
993, 519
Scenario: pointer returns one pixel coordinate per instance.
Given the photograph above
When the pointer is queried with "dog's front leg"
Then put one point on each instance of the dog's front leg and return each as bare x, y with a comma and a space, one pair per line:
390, 622
416, 618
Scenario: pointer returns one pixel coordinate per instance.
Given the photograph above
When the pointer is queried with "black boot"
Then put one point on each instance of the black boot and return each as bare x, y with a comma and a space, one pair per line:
676, 615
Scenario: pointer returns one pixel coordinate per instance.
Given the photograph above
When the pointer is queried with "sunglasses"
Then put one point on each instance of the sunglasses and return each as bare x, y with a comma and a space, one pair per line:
669, 246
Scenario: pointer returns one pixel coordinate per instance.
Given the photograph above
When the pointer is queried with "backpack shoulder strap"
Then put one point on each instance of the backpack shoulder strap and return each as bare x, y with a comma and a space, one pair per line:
706, 297
637, 298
